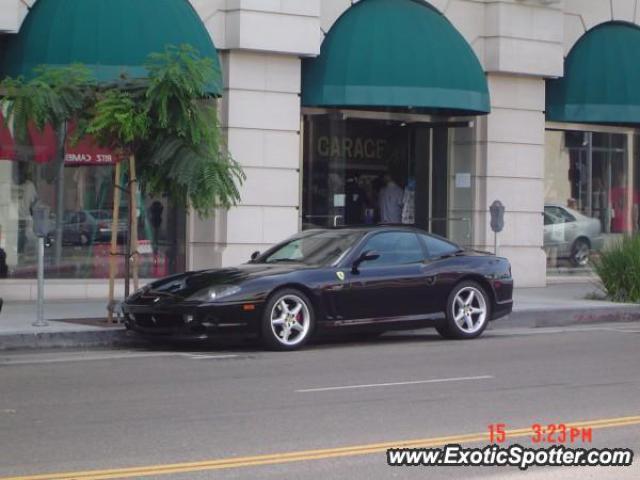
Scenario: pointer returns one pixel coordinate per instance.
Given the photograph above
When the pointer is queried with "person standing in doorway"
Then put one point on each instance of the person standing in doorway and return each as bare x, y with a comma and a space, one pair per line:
390, 201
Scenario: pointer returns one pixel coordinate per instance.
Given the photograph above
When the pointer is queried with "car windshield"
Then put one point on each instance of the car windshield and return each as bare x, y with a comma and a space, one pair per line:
314, 248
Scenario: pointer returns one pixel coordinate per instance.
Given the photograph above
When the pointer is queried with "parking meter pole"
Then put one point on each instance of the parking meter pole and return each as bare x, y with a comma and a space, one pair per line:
496, 210
40, 321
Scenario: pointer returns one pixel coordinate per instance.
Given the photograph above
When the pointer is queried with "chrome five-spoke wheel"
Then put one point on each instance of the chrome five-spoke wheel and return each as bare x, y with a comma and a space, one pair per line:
468, 311
288, 320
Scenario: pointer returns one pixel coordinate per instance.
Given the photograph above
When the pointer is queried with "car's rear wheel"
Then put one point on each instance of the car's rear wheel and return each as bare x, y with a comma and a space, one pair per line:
468, 312
580, 253
288, 320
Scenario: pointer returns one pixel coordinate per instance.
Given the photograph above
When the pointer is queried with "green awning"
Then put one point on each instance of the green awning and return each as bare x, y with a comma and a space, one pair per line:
111, 37
395, 54
601, 83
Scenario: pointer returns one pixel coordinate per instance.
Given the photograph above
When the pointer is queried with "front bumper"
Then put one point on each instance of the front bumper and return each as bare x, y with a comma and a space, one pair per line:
191, 320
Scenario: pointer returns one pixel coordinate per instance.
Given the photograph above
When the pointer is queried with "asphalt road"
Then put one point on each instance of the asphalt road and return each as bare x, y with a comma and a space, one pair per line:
239, 413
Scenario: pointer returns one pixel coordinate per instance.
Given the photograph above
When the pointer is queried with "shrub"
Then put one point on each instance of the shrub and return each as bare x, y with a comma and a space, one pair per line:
619, 270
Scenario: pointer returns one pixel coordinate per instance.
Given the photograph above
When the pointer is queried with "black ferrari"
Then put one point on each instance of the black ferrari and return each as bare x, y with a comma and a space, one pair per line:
355, 279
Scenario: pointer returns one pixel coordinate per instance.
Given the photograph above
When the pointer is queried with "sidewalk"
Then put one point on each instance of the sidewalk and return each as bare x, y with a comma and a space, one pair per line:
83, 323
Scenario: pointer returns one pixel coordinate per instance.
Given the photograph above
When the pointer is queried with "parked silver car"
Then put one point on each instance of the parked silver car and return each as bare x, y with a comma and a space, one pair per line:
83, 227
570, 234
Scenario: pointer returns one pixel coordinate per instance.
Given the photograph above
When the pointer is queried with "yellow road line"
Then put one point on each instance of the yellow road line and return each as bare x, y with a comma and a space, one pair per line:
322, 454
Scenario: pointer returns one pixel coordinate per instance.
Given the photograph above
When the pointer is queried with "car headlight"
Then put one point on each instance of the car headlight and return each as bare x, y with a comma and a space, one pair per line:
212, 294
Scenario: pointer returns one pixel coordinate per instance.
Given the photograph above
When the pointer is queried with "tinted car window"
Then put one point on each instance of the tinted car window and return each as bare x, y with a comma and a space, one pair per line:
394, 248
437, 247
317, 248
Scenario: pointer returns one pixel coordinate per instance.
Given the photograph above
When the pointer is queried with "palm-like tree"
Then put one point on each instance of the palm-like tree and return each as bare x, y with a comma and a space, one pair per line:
166, 124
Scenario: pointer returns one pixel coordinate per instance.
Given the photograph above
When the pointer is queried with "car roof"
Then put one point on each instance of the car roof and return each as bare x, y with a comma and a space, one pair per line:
368, 228
575, 213
382, 227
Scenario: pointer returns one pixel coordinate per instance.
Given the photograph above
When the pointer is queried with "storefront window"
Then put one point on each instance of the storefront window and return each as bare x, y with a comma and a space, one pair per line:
80, 202
377, 171
590, 198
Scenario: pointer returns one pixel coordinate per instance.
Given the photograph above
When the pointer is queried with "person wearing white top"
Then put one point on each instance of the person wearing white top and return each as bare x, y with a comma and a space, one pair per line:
390, 201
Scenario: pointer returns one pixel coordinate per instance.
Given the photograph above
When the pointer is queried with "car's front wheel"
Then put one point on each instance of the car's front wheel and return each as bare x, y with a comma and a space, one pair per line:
468, 311
288, 320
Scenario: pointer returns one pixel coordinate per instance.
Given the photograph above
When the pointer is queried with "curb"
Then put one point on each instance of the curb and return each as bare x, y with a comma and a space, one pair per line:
566, 317
86, 339
120, 338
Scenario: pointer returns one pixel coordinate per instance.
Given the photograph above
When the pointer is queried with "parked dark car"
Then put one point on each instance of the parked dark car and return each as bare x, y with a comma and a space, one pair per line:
381, 278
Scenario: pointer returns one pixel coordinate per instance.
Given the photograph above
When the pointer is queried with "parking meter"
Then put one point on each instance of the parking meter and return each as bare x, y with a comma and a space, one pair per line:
41, 223
41, 228
497, 210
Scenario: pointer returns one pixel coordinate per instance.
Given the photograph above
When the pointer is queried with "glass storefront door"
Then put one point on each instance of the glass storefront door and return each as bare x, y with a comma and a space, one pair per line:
590, 198
372, 171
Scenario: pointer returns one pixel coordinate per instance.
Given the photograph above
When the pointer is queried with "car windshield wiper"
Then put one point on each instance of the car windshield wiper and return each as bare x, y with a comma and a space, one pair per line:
283, 260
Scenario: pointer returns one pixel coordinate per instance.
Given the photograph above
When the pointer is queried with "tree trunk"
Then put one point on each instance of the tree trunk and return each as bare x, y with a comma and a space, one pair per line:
114, 242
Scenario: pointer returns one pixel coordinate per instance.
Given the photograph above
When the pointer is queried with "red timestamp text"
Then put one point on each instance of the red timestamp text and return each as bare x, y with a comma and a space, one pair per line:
552, 433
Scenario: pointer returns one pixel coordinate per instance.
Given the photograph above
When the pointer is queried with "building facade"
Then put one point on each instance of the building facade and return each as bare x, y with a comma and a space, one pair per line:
324, 101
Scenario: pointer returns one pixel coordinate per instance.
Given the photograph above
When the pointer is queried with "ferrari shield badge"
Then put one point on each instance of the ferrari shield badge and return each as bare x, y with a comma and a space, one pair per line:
340, 276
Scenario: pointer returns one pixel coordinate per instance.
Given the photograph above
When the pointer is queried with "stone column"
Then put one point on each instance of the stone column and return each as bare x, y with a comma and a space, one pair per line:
523, 45
261, 48
510, 168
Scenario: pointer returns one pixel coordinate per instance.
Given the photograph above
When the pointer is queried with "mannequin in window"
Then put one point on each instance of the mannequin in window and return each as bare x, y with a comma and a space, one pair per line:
622, 218
409, 203
390, 201
27, 199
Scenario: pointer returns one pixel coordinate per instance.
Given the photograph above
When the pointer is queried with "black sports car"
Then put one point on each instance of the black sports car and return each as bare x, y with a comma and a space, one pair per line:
380, 278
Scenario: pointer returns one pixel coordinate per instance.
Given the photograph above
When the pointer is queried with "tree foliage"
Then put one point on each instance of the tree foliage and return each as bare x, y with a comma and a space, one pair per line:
119, 121
170, 123
618, 267
53, 96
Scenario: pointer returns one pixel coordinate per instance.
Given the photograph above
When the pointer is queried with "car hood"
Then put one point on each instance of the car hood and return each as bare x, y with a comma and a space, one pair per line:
189, 283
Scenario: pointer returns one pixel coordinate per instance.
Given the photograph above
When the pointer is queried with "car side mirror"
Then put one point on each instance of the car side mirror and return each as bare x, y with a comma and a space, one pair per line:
255, 255
366, 256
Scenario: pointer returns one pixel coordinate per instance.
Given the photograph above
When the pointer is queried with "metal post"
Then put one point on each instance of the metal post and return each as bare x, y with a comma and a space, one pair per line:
495, 243
127, 258
40, 321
